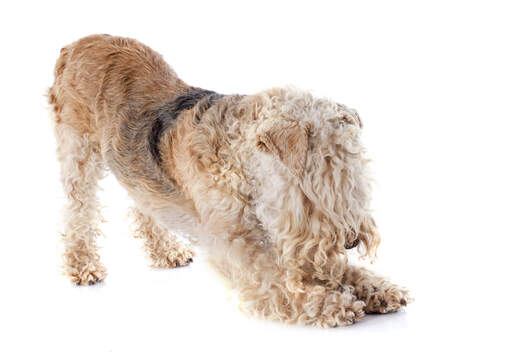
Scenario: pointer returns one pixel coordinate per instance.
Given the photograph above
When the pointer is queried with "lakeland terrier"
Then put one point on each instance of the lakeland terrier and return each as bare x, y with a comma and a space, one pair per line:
274, 186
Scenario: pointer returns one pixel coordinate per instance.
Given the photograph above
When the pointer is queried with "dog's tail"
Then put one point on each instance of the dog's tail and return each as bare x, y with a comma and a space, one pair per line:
60, 65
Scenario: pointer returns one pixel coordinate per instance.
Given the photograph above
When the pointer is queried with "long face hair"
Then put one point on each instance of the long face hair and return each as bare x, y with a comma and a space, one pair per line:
319, 197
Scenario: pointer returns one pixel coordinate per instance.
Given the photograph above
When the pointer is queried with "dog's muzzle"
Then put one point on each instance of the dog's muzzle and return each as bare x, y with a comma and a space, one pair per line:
353, 245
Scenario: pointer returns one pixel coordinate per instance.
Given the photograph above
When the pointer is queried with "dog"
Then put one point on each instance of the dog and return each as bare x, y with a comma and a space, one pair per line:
274, 186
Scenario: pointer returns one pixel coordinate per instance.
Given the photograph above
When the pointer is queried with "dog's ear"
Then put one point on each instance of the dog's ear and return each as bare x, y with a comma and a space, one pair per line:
349, 116
288, 141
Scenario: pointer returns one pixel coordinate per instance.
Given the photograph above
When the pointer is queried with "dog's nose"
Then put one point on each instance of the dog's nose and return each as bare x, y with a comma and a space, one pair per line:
353, 245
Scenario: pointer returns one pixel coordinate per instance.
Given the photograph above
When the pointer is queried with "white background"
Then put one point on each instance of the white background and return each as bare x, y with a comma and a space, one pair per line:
432, 82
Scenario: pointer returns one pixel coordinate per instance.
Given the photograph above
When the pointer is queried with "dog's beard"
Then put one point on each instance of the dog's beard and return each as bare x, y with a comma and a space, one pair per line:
339, 188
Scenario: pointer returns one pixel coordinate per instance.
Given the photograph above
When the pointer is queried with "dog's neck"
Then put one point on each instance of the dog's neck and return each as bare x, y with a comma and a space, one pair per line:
166, 115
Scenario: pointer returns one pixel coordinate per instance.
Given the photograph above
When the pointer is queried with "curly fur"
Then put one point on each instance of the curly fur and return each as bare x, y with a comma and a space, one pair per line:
273, 185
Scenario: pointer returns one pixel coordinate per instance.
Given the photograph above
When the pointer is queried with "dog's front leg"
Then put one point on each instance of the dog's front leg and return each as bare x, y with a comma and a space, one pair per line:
266, 289
379, 294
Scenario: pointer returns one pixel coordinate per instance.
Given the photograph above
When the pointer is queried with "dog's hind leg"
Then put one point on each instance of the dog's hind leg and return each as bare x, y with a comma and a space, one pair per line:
163, 248
379, 295
81, 169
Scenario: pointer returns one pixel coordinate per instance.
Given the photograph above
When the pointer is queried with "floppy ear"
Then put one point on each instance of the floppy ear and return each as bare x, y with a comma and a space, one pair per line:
350, 116
288, 141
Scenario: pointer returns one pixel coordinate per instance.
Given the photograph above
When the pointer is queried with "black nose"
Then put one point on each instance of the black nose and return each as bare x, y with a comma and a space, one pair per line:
353, 245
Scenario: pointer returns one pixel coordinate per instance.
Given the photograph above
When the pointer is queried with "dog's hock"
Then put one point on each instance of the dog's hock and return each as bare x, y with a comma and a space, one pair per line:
288, 141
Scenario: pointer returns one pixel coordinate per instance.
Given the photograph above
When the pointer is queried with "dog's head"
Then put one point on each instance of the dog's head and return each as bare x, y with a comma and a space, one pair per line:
313, 174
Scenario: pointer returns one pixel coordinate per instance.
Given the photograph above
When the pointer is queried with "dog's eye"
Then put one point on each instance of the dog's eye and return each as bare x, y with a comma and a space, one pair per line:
261, 146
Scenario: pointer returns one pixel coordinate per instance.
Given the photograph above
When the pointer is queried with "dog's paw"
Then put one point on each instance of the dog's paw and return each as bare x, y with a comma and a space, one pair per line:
89, 275
388, 300
180, 255
339, 309
350, 315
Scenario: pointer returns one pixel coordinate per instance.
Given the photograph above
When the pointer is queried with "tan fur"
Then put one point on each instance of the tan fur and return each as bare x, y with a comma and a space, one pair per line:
273, 185
163, 249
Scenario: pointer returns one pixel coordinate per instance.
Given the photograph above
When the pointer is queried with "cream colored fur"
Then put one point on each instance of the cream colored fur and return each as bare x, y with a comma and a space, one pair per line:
273, 185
